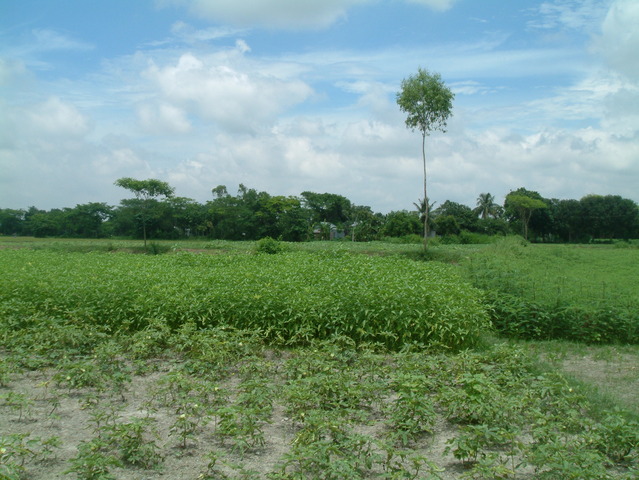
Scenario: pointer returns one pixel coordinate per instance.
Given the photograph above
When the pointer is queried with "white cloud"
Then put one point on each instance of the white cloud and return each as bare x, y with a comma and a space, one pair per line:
47, 39
163, 118
578, 15
184, 33
285, 14
55, 117
438, 5
290, 14
112, 163
236, 99
619, 40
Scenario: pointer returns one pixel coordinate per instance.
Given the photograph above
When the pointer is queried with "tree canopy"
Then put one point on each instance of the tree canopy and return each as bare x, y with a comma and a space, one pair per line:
145, 191
253, 214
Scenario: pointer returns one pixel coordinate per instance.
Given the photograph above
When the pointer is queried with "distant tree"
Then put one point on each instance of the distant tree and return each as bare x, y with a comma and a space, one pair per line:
327, 207
88, 220
428, 103
186, 216
486, 206
145, 191
524, 206
220, 191
423, 210
11, 221
465, 217
400, 223
364, 224
609, 216
285, 218
446, 225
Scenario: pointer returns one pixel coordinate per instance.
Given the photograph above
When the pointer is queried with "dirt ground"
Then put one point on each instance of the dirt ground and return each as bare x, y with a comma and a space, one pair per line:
32, 404
69, 415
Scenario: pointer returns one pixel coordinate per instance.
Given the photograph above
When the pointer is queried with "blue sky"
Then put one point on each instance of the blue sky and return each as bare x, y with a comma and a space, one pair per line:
293, 95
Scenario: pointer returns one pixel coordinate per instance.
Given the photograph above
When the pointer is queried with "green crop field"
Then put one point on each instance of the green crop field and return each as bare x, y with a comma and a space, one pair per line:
561, 292
294, 296
324, 361
560, 274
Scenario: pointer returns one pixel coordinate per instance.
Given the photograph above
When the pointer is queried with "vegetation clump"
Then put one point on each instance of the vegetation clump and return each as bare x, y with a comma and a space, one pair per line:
269, 245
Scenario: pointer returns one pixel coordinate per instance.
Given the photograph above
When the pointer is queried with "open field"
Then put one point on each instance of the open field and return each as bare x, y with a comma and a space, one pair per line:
137, 367
560, 274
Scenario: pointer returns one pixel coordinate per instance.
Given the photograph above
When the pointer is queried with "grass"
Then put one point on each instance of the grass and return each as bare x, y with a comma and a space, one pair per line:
610, 373
559, 274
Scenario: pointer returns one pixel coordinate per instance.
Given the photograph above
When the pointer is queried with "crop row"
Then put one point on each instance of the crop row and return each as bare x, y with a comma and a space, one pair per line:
293, 297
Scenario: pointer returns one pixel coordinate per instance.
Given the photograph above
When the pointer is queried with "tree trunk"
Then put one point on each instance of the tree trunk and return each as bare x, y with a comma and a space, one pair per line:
426, 203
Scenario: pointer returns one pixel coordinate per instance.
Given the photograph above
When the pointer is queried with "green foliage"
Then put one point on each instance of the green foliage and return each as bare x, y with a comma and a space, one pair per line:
269, 245
93, 462
134, 446
15, 449
155, 248
294, 297
426, 100
558, 292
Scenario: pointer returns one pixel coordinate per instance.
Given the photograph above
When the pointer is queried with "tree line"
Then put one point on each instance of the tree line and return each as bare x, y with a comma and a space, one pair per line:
155, 212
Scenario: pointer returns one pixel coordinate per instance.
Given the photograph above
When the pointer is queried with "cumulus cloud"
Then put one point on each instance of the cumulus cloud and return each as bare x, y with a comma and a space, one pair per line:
235, 99
55, 117
163, 118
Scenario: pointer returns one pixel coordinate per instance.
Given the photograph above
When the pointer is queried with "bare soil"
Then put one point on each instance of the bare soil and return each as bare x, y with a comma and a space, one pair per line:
51, 410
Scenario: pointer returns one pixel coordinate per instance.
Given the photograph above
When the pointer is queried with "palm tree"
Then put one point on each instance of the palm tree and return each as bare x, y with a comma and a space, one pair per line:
486, 206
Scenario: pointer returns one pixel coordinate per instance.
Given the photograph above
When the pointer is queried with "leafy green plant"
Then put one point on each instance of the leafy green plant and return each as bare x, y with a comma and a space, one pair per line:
295, 298
617, 437
134, 446
14, 451
412, 414
187, 423
75, 374
93, 462
19, 402
327, 448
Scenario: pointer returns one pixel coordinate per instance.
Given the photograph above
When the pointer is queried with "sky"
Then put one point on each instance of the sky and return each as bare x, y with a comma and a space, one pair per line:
287, 96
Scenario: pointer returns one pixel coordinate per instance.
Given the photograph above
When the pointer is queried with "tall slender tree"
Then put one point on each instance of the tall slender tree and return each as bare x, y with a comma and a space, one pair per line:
428, 103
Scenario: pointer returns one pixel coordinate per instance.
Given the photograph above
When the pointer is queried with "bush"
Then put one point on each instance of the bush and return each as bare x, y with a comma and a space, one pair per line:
269, 245
468, 238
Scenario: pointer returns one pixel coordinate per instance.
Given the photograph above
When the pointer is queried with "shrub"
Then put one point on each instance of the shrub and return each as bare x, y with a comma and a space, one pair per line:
269, 245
